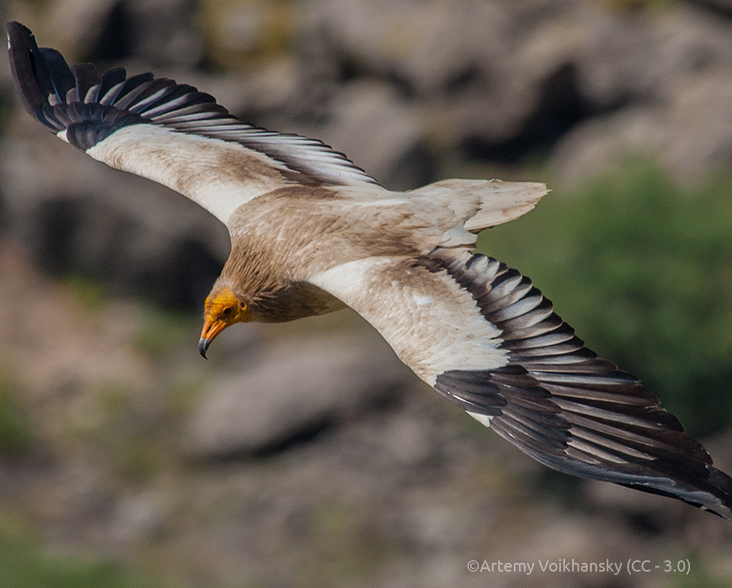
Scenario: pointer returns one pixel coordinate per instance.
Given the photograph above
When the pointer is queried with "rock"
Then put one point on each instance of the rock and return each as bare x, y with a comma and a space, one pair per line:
450, 56
138, 517
158, 32
264, 92
165, 32
427, 46
381, 133
565, 68
239, 35
3, 215
617, 56
659, 86
390, 443
690, 134
297, 389
718, 7
640, 57
545, 53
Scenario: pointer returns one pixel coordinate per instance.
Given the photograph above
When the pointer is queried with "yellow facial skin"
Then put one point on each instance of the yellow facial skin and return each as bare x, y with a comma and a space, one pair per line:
223, 308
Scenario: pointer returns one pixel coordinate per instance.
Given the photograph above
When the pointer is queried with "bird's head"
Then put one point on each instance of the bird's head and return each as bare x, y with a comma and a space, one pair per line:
223, 308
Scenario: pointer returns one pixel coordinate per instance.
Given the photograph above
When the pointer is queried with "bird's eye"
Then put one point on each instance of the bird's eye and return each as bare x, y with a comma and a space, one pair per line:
227, 310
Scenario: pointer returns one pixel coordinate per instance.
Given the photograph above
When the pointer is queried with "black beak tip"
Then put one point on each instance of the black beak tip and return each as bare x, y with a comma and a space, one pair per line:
203, 347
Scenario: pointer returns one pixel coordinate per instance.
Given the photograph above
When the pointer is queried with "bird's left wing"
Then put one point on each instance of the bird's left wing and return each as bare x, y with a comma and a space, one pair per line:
167, 132
483, 336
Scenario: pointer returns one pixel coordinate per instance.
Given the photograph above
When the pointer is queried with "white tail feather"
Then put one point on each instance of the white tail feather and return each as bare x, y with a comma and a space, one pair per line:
485, 203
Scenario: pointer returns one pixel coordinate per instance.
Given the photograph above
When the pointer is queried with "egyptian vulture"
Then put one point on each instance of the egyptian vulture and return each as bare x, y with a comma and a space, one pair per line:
312, 233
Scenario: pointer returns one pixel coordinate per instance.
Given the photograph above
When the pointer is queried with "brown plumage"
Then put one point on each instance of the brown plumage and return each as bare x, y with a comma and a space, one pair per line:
312, 233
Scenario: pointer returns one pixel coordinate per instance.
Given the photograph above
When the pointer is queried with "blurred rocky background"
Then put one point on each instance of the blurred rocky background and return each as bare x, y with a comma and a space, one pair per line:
304, 454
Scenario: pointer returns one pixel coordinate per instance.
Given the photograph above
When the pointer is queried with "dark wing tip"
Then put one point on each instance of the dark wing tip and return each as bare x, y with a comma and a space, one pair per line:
39, 73
24, 52
56, 94
656, 459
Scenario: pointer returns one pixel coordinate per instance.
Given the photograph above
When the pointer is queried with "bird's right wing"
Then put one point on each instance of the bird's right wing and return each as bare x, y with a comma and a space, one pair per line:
483, 336
167, 132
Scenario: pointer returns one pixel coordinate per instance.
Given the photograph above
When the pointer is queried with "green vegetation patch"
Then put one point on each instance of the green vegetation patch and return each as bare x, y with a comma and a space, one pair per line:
697, 575
25, 563
15, 424
161, 331
88, 291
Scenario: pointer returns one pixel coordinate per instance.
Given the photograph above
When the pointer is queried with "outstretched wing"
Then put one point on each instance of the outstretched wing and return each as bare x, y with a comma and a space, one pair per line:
482, 335
167, 132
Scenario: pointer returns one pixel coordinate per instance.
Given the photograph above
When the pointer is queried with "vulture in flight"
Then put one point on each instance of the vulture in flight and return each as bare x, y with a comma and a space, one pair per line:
312, 233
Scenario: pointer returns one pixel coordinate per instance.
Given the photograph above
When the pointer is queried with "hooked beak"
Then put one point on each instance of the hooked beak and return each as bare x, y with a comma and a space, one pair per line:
211, 328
